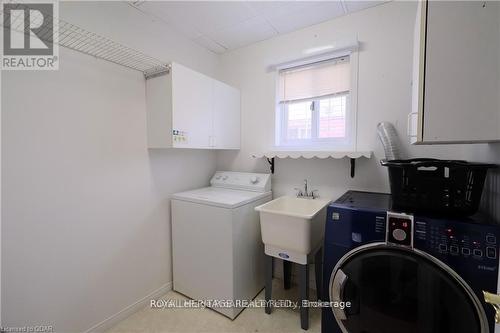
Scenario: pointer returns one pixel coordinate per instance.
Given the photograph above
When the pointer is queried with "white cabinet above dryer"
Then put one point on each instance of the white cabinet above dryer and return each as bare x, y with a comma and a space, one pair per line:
186, 109
456, 73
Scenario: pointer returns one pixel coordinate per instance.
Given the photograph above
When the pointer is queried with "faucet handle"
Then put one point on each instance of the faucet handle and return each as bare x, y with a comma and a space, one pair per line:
314, 196
299, 191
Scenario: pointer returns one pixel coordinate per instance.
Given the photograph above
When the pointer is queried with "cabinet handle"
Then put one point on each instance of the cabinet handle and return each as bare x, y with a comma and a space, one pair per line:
494, 300
408, 123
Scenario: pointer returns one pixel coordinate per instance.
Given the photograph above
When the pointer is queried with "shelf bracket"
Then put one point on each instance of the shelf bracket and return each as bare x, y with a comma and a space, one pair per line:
353, 167
271, 163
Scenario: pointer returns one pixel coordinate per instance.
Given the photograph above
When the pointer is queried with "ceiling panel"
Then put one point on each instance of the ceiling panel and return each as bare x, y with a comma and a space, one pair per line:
210, 44
262, 7
203, 16
277, 8
225, 25
172, 15
354, 6
248, 32
307, 16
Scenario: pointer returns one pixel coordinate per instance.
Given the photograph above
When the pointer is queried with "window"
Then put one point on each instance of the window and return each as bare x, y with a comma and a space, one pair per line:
314, 105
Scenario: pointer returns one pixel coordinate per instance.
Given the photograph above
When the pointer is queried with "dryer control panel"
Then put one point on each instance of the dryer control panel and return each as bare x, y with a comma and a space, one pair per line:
476, 242
399, 230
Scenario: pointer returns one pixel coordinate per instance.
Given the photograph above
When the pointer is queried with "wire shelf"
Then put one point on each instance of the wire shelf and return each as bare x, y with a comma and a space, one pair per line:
78, 39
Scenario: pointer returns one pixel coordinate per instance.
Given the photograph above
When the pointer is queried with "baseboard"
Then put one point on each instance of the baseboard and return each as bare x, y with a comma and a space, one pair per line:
129, 310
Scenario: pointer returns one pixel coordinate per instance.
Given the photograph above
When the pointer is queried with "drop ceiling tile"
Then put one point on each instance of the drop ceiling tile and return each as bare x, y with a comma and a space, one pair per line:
250, 31
274, 9
297, 19
268, 7
187, 30
218, 15
221, 25
208, 43
354, 6
167, 14
203, 16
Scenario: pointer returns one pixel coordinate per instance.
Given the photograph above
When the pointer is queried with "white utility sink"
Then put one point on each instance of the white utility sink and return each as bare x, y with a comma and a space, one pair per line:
292, 227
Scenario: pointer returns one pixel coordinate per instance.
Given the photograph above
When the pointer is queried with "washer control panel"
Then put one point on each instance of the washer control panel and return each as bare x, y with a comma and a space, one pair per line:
453, 240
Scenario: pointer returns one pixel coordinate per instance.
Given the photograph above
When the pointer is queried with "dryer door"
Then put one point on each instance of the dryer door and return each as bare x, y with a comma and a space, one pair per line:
393, 289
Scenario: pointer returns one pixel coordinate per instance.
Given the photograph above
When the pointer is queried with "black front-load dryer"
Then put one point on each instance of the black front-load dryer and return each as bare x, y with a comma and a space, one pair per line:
389, 272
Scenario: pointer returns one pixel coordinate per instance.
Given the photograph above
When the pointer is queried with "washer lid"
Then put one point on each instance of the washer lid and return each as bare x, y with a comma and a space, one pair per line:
220, 197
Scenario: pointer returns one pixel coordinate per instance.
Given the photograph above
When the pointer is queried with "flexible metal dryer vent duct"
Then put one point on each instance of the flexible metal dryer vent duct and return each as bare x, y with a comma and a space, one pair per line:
389, 138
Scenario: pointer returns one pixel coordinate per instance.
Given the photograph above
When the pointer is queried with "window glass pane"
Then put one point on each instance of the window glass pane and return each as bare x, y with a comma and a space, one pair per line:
299, 121
332, 117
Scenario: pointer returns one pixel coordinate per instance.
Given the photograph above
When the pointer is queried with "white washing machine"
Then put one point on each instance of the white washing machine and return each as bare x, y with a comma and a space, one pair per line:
218, 254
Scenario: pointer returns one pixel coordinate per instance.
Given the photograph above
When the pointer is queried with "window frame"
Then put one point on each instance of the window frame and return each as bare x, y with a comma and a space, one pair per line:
349, 142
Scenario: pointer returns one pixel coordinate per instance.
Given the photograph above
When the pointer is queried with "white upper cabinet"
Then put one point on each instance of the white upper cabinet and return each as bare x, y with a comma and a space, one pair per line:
226, 122
192, 102
187, 109
456, 73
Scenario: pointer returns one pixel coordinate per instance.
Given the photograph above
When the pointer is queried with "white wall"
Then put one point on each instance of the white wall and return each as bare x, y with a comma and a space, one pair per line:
86, 220
85, 214
384, 94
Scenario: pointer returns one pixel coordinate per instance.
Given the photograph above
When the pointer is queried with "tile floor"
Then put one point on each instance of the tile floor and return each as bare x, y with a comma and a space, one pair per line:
182, 320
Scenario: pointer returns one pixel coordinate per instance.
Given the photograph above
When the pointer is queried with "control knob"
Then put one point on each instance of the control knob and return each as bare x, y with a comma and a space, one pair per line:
399, 234
254, 179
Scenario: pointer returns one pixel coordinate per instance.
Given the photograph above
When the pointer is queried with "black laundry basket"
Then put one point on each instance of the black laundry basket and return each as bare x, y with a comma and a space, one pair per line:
444, 187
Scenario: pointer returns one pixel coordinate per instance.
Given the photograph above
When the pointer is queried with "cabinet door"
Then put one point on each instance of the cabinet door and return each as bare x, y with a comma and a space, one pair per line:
461, 80
416, 114
192, 108
226, 117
